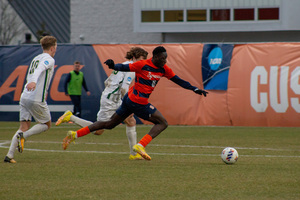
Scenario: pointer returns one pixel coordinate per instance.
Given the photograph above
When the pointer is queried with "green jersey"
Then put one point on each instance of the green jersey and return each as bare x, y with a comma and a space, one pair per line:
75, 84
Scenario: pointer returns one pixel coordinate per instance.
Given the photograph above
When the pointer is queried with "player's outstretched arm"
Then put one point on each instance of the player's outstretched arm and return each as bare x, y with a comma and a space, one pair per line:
118, 67
188, 86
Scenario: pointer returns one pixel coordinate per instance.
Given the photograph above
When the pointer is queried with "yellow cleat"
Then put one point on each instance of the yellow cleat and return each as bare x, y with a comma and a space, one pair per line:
71, 136
135, 157
64, 118
141, 150
21, 141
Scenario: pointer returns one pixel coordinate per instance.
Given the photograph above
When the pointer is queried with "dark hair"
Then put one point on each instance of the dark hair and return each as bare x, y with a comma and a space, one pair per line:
136, 52
158, 50
76, 62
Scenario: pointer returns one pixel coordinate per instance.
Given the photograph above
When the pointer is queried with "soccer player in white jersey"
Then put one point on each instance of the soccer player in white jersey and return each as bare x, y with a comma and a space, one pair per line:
116, 86
33, 99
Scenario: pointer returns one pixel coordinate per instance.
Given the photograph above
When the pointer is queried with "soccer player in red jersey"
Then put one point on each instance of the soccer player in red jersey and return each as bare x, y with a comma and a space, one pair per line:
148, 73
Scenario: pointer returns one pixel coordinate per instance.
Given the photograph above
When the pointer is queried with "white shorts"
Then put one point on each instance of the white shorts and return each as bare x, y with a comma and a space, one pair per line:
38, 110
107, 109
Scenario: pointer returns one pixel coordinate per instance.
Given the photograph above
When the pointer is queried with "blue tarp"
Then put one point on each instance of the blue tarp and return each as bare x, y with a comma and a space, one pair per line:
215, 65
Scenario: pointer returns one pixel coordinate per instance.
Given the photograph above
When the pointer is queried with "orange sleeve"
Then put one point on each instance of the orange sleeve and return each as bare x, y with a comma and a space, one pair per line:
169, 72
136, 66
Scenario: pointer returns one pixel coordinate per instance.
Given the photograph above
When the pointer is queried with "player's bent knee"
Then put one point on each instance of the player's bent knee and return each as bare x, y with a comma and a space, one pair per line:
48, 124
164, 123
130, 121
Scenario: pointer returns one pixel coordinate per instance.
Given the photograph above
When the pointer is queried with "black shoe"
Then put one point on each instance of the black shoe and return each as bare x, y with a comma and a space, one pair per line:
9, 160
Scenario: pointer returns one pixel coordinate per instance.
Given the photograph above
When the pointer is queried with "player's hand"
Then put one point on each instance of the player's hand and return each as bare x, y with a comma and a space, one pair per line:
110, 63
31, 86
201, 92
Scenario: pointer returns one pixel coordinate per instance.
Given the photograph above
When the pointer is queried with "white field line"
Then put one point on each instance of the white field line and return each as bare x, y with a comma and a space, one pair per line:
6, 143
162, 145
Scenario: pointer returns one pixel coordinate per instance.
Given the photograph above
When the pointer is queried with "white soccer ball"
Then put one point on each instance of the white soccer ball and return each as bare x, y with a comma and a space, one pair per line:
229, 155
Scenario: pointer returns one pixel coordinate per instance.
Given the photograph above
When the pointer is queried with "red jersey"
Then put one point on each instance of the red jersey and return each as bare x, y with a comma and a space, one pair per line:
147, 76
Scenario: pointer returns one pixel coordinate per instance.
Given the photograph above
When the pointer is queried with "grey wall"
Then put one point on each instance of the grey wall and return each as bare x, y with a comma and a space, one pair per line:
111, 21
106, 21
233, 37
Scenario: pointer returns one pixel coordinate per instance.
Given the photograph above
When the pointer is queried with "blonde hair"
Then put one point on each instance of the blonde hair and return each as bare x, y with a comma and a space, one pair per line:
47, 42
136, 52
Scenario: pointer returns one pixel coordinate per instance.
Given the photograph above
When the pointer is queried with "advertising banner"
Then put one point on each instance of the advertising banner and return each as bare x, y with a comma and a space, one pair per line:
264, 85
248, 85
14, 62
216, 60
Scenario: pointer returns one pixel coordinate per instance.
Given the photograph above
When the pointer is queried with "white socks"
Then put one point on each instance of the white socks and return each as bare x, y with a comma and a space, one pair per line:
131, 135
36, 129
79, 121
13, 145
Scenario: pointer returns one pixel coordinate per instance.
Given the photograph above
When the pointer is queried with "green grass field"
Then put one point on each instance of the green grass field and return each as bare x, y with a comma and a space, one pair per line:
186, 164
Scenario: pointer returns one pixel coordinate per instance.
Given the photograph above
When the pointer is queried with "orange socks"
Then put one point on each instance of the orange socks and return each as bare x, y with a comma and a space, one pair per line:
82, 132
145, 140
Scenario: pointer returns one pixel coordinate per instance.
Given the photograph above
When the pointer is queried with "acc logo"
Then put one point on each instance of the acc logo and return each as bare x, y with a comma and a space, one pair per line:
129, 79
215, 58
46, 62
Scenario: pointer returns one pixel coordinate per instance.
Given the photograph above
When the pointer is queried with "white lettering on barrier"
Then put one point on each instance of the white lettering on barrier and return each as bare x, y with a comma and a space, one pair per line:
295, 86
262, 104
283, 89
259, 100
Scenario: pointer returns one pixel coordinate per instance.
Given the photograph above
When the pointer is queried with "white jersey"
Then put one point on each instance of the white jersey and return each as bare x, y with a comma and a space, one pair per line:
115, 82
111, 96
40, 71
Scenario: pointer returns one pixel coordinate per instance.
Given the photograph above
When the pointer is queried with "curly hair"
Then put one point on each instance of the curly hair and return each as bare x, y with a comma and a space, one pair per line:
136, 52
